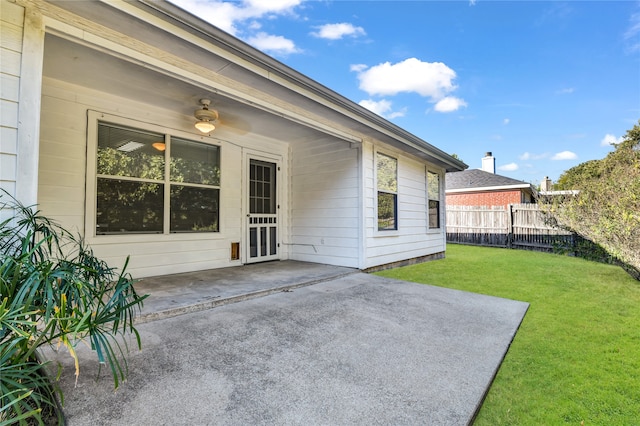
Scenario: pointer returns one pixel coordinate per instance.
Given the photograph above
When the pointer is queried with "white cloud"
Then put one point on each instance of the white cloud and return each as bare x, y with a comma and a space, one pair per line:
511, 167
610, 139
338, 31
382, 108
430, 79
631, 35
472, 2
528, 156
273, 44
221, 14
565, 91
234, 17
433, 80
449, 104
564, 155
506, 121
272, 6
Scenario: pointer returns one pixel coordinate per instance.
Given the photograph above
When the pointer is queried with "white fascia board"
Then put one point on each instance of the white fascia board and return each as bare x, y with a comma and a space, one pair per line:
563, 192
489, 188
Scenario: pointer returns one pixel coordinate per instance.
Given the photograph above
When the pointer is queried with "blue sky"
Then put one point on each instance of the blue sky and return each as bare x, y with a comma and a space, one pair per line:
543, 85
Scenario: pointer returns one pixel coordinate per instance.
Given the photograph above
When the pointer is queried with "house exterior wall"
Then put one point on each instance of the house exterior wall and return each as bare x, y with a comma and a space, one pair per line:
63, 177
489, 198
325, 209
327, 185
11, 25
413, 238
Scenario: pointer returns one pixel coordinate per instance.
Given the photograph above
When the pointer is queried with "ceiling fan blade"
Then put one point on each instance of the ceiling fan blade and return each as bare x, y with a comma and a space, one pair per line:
234, 124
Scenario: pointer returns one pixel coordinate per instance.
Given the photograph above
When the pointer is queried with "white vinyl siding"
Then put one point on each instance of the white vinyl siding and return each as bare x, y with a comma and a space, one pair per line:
62, 179
11, 24
325, 224
411, 240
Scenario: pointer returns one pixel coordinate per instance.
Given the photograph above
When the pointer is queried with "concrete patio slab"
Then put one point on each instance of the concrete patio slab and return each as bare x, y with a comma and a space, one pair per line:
359, 349
177, 294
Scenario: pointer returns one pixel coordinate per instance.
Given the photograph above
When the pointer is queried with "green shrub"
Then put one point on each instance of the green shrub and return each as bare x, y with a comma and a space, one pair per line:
53, 290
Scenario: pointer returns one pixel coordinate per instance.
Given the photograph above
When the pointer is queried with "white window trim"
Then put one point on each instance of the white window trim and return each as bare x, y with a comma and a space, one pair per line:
390, 232
441, 205
93, 118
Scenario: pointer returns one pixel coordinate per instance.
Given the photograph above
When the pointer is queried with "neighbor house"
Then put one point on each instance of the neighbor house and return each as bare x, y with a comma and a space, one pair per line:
99, 105
483, 187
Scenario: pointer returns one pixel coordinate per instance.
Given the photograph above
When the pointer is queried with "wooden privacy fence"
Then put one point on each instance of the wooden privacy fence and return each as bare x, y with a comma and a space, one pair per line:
515, 226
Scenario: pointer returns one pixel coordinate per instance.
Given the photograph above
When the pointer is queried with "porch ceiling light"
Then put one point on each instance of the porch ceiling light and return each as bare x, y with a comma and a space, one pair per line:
205, 117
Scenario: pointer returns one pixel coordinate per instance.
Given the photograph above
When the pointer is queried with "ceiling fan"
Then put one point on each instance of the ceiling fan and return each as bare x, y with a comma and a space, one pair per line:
208, 119
205, 117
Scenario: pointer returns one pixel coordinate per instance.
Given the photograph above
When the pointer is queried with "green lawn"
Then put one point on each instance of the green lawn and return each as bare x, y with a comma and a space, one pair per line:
576, 356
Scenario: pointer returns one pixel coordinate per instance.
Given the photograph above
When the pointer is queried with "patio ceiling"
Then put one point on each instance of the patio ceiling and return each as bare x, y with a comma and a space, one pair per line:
81, 65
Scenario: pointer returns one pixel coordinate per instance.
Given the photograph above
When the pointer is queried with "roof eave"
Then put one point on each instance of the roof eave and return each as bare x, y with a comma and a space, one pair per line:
489, 188
377, 123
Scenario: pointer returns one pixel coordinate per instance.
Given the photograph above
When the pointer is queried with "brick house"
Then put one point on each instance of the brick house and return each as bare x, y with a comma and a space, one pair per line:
483, 187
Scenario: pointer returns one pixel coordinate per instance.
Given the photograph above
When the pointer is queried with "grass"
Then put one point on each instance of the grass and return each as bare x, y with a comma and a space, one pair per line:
576, 357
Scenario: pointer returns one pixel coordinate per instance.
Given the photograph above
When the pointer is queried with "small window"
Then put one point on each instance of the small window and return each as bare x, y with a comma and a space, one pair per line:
433, 192
387, 182
131, 182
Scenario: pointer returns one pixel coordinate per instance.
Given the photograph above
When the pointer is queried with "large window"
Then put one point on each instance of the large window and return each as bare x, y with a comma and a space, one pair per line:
138, 193
433, 191
387, 182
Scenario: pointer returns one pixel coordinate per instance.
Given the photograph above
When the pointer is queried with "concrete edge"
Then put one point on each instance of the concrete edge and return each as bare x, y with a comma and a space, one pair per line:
215, 302
407, 262
480, 403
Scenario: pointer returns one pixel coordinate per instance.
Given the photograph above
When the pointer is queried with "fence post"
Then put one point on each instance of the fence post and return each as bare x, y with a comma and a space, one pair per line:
510, 226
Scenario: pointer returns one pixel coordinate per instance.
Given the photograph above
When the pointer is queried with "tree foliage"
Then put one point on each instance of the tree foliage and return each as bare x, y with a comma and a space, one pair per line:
607, 208
54, 291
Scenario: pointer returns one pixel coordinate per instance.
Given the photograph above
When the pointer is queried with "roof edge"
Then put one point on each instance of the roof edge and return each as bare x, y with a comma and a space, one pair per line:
272, 65
490, 188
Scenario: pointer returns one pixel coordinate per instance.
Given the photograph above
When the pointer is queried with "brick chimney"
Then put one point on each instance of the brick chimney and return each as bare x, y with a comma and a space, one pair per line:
489, 163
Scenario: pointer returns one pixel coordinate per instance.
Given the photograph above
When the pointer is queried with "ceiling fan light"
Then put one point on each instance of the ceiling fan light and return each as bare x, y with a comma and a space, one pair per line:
205, 126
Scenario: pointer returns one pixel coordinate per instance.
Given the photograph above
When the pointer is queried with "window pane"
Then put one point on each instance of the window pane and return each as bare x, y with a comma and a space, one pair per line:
387, 211
253, 242
272, 240
194, 209
263, 241
434, 214
193, 162
129, 207
262, 190
387, 173
433, 186
128, 152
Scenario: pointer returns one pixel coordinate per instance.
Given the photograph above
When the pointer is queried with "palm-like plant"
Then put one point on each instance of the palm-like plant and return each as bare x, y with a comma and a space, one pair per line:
53, 290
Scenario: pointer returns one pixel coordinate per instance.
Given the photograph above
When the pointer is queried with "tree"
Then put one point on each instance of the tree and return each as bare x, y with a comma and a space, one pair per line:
607, 208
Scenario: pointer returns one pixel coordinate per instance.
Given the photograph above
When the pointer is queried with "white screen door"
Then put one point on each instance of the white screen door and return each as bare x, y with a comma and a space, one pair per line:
262, 219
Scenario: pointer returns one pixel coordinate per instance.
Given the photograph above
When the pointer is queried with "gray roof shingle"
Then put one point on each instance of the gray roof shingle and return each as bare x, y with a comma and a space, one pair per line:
476, 178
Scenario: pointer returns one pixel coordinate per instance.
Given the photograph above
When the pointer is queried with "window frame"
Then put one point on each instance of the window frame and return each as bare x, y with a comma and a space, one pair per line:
429, 199
90, 231
378, 190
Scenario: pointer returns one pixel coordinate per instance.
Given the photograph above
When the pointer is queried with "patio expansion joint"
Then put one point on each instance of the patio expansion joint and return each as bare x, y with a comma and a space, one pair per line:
216, 302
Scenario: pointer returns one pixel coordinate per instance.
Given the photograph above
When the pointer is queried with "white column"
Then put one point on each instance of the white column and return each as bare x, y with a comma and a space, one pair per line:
29, 108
